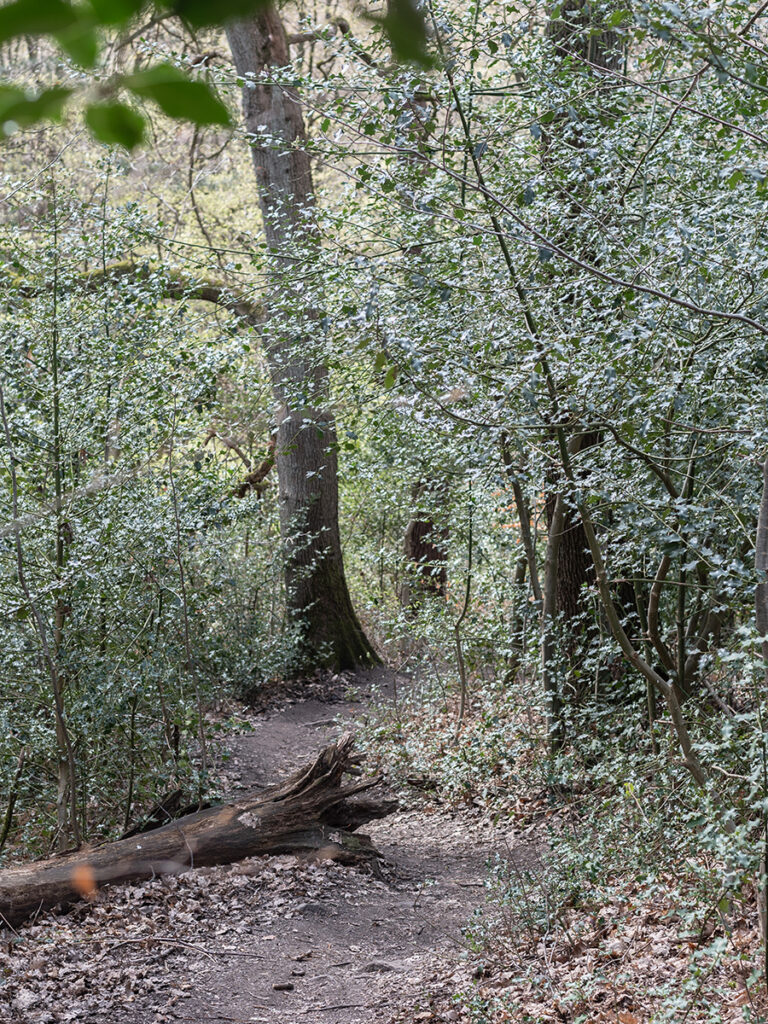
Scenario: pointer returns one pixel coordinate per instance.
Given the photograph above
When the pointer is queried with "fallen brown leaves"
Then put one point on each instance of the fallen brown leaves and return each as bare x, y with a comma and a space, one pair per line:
630, 962
123, 949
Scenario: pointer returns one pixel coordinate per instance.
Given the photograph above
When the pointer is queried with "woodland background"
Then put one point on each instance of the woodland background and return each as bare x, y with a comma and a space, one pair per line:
498, 317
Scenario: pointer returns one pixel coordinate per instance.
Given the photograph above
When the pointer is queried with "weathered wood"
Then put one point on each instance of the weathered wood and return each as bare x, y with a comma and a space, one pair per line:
306, 812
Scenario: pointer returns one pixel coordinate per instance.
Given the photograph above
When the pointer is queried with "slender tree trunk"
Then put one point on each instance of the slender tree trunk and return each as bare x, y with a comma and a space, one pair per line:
761, 620
549, 646
761, 565
305, 444
691, 758
576, 33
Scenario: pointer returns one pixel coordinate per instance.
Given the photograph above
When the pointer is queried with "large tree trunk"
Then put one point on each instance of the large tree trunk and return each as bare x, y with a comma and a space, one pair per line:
307, 812
305, 450
574, 563
568, 569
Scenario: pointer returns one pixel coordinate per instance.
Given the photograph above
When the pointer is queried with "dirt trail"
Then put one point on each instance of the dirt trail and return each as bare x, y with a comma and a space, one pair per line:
273, 939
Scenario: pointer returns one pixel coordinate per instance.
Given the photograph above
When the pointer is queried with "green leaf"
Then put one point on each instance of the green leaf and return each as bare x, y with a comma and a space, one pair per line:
203, 12
20, 109
391, 377
381, 360
618, 18
79, 41
407, 31
115, 124
34, 17
177, 96
116, 12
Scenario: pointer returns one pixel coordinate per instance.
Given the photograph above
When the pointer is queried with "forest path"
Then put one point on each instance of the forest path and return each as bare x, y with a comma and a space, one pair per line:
357, 947
271, 940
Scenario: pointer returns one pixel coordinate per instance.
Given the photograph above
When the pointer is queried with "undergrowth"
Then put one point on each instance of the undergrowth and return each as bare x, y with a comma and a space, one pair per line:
625, 894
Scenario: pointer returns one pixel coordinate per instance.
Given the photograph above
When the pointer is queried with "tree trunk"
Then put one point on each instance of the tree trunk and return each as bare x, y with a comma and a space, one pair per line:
574, 566
576, 31
568, 569
424, 547
305, 444
577, 34
307, 812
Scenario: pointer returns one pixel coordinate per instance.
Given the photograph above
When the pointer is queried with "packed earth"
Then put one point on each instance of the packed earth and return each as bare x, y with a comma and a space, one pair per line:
279, 938
296, 938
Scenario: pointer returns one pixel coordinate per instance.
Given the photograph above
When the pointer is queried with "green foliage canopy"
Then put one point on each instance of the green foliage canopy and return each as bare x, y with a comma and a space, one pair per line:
79, 30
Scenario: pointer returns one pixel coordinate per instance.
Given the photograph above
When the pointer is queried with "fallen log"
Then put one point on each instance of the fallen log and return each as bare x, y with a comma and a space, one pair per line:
307, 812
168, 808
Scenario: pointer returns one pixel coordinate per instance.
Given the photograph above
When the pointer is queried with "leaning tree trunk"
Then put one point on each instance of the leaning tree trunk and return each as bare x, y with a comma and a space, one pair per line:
308, 812
305, 449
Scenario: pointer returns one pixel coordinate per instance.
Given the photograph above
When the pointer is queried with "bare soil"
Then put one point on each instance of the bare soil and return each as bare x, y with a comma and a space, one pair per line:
271, 939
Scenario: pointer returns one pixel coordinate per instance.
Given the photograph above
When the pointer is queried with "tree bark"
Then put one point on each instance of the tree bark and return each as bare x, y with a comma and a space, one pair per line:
305, 443
572, 30
576, 33
308, 812
568, 568
424, 547
574, 566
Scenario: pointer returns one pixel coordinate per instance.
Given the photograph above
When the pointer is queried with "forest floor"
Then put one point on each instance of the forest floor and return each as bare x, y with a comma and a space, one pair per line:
271, 939
288, 940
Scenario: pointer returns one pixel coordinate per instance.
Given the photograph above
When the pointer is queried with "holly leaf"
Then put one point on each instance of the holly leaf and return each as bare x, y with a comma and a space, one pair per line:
115, 124
80, 43
177, 96
19, 109
34, 18
116, 12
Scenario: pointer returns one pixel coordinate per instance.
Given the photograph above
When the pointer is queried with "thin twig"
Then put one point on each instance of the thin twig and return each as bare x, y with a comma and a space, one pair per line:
211, 953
